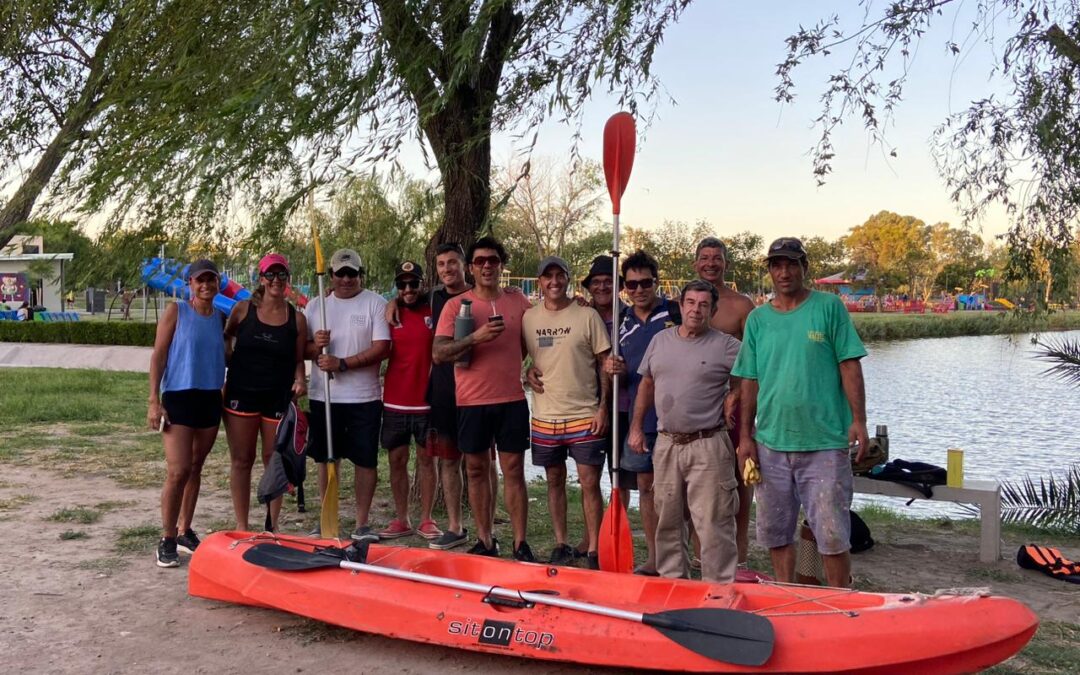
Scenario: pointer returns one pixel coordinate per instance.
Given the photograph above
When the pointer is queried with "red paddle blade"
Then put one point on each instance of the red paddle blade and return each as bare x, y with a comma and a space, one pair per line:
619, 138
615, 548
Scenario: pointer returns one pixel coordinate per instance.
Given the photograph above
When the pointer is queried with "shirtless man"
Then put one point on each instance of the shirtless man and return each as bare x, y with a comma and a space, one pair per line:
710, 264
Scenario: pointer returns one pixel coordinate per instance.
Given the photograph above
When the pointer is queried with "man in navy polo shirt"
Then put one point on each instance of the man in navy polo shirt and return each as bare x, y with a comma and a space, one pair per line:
647, 315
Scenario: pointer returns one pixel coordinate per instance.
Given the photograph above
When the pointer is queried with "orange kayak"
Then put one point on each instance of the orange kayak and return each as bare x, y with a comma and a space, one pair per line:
606, 619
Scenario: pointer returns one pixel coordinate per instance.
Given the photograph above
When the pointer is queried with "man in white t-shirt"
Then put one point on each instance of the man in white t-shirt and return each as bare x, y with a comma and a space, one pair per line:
356, 338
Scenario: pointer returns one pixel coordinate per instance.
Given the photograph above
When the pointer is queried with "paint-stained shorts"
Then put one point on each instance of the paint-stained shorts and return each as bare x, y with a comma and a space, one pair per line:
820, 481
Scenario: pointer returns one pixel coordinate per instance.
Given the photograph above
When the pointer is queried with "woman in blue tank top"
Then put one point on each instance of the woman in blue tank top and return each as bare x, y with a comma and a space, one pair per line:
267, 339
187, 371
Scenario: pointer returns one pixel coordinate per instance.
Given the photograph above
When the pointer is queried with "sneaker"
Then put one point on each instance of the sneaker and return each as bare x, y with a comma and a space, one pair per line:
188, 541
479, 548
166, 553
592, 560
643, 571
429, 530
522, 553
560, 555
449, 540
395, 529
365, 533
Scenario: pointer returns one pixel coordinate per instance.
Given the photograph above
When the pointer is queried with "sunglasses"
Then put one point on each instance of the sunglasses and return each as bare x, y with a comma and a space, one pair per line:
402, 284
270, 276
347, 272
644, 284
484, 260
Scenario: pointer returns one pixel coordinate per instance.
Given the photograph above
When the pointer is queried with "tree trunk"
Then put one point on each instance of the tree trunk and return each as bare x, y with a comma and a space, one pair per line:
18, 208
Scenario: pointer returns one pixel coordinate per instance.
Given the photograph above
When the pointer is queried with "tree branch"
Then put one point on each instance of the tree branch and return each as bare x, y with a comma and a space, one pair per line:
1065, 46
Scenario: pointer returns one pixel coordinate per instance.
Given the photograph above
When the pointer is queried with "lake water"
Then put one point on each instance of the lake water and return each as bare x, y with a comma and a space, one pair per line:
986, 395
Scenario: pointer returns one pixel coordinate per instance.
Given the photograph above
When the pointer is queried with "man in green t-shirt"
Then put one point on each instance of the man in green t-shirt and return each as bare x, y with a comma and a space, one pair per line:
802, 381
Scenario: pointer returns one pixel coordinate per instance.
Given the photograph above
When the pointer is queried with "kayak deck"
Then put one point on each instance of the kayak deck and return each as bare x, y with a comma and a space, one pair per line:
817, 629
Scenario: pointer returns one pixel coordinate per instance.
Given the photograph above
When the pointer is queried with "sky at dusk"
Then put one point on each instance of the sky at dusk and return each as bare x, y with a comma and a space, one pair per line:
726, 152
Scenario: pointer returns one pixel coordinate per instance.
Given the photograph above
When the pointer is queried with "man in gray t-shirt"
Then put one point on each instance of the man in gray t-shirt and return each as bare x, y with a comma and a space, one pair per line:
685, 374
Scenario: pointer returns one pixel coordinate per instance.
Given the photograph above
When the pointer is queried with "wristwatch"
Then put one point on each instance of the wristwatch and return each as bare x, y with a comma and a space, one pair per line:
342, 366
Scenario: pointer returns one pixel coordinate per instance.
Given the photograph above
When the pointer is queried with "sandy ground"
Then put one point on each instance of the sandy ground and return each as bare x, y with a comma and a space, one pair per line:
79, 606
59, 615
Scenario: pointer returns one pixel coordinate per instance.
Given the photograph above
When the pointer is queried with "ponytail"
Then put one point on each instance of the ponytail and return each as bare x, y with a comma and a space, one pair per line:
257, 296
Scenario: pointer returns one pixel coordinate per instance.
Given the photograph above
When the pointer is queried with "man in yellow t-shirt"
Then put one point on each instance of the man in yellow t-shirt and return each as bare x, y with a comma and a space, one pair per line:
567, 343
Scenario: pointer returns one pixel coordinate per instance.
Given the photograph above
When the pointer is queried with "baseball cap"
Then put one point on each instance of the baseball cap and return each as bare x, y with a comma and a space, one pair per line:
408, 268
271, 259
601, 265
787, 247
202, 265
552, 260
345, 257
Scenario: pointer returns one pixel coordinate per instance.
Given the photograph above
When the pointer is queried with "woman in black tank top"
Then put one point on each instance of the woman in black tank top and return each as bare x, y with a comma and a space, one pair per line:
266, 338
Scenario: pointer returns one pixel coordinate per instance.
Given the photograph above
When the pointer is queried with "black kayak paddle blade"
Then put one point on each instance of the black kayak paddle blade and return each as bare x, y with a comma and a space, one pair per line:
287, 559
727, 635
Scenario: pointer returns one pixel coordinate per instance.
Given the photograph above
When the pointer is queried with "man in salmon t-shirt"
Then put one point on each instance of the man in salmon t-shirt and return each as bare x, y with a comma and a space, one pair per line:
490, 398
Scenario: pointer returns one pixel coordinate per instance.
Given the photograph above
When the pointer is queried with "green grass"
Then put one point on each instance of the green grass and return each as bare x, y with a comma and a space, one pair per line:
875, 326
105, 566
16, 502
1054, 649
138, 539
48, 395
71, 535
78, 514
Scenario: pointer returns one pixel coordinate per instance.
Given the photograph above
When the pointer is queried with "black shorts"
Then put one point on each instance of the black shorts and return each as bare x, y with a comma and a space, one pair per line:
399, 428
355, 432
443, 416
267, 404
504, 424
195, 408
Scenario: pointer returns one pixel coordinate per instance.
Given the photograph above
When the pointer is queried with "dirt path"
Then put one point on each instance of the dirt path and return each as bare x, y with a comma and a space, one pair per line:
93, 605
79, 606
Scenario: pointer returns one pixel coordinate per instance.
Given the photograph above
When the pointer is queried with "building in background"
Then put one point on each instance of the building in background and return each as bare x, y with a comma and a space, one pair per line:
24, 262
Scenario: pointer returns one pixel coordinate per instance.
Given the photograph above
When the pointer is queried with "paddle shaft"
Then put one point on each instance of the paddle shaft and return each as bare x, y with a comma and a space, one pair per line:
615, 450
506, 593
326, 375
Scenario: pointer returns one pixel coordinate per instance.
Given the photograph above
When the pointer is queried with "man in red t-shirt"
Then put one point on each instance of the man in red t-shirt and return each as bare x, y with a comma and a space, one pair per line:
405, 408
490, 398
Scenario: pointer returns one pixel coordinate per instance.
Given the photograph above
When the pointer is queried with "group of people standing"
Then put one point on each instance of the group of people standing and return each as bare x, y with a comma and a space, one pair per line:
706, 384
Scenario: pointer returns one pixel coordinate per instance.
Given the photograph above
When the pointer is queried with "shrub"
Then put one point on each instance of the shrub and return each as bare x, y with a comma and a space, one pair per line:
79, 332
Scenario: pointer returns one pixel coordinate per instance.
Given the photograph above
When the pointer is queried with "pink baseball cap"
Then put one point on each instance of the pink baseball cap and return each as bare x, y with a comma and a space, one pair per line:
271, 259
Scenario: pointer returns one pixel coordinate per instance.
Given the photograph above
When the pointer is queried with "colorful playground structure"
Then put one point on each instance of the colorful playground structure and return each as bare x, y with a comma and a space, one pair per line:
170, 277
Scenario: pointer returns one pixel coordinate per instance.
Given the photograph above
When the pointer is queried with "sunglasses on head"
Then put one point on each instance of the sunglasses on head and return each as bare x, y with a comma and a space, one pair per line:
270, 276
402, 284
634, 284
482, 260
347, 272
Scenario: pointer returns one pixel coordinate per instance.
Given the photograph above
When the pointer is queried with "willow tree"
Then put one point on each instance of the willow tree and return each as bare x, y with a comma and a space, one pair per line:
1015, 148
57, 61
267, 100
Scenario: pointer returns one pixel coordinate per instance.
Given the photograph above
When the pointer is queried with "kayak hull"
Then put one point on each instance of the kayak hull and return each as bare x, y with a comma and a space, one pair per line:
816, 629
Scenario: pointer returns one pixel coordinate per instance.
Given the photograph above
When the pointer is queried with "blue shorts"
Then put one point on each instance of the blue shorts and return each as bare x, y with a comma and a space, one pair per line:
638, 463
820, 481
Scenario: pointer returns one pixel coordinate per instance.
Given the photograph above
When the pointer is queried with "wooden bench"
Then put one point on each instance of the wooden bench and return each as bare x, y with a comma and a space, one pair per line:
986, 494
